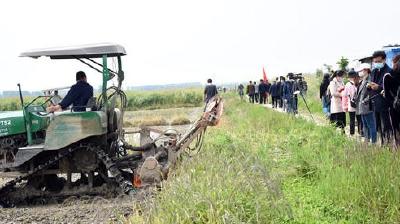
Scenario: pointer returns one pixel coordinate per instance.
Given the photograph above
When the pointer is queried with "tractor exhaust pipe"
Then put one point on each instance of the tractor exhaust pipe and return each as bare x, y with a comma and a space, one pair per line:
20, 95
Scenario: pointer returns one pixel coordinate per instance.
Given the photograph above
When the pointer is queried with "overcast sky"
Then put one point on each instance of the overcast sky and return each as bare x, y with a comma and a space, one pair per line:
189, 41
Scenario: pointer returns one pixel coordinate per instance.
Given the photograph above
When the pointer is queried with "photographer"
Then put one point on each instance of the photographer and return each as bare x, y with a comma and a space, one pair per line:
291, 86
363, 103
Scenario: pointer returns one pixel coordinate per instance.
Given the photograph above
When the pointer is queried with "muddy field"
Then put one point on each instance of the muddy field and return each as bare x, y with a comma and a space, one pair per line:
87, 209
76, 210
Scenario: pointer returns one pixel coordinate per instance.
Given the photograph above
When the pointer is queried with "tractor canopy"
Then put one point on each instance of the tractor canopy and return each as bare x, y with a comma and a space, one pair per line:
79, 51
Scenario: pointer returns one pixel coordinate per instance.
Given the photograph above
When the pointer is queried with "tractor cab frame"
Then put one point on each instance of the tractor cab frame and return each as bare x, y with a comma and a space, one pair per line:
85, 54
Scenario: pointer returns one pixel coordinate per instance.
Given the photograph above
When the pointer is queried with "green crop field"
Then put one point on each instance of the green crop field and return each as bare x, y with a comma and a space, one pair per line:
261, 166
143, 100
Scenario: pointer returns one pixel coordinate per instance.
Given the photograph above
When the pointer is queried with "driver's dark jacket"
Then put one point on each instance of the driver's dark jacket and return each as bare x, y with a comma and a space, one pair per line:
78, 96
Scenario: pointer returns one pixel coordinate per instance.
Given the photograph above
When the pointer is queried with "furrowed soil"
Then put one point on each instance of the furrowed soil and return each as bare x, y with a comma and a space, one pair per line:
75, 210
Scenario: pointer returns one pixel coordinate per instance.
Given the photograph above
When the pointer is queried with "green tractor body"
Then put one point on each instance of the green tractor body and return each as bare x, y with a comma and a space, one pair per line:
13, 123
28, 136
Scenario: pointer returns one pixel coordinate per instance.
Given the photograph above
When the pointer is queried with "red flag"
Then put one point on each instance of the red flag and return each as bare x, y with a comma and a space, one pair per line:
265, 76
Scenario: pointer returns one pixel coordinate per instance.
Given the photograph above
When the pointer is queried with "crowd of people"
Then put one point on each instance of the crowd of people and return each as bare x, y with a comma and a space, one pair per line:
283, 92
370, 97
258, 93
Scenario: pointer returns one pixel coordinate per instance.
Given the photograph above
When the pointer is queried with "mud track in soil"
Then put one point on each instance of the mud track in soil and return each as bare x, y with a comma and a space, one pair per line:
76, 210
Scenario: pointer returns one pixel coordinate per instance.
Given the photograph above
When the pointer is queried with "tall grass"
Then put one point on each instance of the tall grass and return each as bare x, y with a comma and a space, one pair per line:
261, 166
10, 104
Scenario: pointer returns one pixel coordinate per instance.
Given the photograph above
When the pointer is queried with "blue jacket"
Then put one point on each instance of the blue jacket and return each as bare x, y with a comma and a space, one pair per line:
78, 96
379, 103
274, 90
262, 88
288, 89
268, 87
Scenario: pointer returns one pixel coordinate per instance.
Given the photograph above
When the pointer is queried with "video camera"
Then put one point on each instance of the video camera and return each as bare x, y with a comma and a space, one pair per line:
293, 76
299, 79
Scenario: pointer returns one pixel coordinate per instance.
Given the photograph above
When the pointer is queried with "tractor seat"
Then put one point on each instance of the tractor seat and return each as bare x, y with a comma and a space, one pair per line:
91, 105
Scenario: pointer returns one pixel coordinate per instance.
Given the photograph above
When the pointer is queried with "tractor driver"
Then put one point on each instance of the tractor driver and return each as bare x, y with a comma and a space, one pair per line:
78, 96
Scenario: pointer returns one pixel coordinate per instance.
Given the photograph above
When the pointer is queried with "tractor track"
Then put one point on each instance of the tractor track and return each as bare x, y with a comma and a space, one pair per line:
8, 187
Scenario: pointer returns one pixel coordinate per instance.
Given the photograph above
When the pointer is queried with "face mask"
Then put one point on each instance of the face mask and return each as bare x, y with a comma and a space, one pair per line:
378, 65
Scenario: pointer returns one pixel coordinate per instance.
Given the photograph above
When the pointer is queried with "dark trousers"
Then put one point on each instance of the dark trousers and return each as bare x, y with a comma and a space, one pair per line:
352, 116
280, 101
251, 98
339, 119
353, 119
274, 101
256, 97
383, 126
360, 126
262, 98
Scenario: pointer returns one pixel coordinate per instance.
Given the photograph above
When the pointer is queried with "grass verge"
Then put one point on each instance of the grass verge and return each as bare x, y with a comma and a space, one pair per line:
261, 166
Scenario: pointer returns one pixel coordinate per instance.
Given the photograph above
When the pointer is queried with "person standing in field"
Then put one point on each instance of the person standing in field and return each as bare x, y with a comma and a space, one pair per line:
241, 91
324, 96
279, 85
210, 91
349, 92
392, 95
262, 88
363, 103
256, 92
268, 91
56, 99
250, 92
380, 105
336, 87
274, 94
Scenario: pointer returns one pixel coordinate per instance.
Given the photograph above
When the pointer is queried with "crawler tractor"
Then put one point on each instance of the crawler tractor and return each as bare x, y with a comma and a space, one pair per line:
69, 153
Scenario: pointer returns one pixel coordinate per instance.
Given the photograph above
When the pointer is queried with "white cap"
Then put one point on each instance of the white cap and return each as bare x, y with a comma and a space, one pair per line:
363, 66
